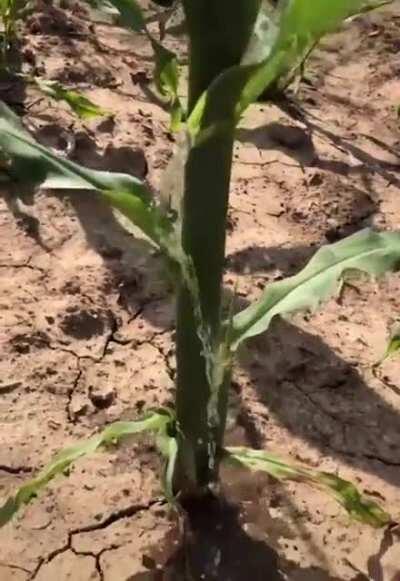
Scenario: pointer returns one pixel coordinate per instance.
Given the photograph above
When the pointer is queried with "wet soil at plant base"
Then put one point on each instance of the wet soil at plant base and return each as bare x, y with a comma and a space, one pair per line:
87, 322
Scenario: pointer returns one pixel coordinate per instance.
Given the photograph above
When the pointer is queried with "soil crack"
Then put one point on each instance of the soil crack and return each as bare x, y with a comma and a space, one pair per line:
71, 417
15, 567
169, 369
16, 469
26, 264
114, 517
385, 380
127, 512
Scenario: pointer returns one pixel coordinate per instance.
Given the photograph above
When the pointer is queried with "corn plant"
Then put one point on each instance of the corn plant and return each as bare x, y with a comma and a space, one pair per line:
8, 15
237, 50
10, 12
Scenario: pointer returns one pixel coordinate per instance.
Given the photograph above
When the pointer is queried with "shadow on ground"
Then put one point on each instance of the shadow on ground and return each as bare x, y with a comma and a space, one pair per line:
313, 392
218, 539
328, 397
124, 255
297, 143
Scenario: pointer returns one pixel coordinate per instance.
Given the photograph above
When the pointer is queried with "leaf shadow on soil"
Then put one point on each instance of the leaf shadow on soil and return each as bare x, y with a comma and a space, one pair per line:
312, 391
220, 538
330, 404
130, 260
216, 546
297, 142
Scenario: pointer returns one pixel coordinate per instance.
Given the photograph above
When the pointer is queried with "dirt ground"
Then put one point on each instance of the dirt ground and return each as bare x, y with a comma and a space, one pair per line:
86, 317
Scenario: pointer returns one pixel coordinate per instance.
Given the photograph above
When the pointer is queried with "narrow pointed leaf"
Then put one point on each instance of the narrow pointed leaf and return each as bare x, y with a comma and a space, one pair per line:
368, 252
358, 506
33, 165
154, 422
83, 107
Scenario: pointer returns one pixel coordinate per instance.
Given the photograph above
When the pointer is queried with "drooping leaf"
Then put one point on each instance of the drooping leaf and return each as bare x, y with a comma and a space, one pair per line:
358, 506
32, 164
80, 105
153, 422
367, 251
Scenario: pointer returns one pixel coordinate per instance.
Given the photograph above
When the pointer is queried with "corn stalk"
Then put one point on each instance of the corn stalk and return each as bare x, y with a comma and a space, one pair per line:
214, 47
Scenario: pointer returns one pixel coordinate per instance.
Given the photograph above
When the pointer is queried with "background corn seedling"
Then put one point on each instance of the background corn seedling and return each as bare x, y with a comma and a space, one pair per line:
228, 70
11, 11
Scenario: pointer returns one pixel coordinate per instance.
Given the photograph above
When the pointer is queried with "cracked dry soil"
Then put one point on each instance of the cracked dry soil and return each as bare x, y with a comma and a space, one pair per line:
86, 322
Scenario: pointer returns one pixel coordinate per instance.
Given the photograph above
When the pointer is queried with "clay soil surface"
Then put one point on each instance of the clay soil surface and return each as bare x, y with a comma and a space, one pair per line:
87, 318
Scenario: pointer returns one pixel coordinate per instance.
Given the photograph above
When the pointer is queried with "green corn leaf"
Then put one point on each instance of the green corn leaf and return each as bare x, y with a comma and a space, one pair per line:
103, 6
166, 70
12, 118
303, 24
153, 422
168, 446
393, 346
166, 78
49, 170
131, 14
368, 252
309, 22
128, 12
358, 507
170, 469
80, 105
32, 164
264, 36
282, 39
